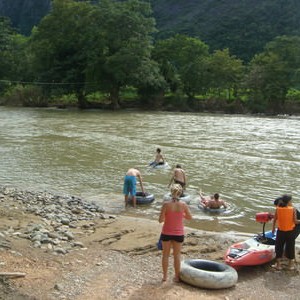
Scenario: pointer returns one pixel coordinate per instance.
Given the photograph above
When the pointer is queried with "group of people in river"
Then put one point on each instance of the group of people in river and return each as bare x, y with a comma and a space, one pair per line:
174, 211
130, 179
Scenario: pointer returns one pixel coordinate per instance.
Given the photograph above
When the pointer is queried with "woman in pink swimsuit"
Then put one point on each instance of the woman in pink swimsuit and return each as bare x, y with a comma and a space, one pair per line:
172, 214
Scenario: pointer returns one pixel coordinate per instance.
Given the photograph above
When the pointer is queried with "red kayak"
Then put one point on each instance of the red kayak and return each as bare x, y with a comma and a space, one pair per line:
257, 250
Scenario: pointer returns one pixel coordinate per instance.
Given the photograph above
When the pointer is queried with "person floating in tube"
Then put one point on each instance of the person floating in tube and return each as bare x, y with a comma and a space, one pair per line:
159, 159
213, 202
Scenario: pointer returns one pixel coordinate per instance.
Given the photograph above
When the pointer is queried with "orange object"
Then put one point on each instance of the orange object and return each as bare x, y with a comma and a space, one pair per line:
285, 218
264, 217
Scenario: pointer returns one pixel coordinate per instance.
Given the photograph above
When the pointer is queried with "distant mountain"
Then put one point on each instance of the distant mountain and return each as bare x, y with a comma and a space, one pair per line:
24, 14
243, 26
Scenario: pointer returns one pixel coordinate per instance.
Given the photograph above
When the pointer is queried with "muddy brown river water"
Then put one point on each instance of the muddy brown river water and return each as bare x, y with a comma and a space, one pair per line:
249, 160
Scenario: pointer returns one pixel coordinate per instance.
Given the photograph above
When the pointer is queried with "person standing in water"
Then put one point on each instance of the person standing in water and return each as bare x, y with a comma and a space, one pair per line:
172, 215
178, 177
129, 186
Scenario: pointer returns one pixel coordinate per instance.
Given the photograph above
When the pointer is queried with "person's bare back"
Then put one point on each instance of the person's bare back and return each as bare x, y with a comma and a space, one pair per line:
213, 202
178, 176
133, 172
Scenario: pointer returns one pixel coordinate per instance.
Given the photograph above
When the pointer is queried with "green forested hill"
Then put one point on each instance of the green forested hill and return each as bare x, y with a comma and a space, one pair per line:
243, 26
24, 14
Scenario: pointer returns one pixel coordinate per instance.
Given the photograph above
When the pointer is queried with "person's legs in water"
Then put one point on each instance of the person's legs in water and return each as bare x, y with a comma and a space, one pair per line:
129, 188
126, 189
126, 200
134, 201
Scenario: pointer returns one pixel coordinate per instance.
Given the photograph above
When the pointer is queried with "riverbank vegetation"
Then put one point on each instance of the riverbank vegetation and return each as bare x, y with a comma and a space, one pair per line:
104, 55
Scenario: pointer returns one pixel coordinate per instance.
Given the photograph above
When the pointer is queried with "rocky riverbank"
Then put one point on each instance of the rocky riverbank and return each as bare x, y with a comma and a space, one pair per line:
62, 247
58, 215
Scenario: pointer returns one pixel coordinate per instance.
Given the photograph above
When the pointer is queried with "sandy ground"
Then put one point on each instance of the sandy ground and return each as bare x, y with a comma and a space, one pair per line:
120, 261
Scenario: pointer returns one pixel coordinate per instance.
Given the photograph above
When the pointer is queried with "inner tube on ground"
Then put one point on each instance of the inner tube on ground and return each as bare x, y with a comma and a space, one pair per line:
185, 198
211, 210
208, 274
142, 198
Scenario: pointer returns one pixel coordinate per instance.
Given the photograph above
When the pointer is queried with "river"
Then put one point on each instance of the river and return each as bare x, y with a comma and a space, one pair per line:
249, 160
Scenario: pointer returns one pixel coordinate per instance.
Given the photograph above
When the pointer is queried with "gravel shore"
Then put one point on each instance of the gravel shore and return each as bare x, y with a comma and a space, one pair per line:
68, 249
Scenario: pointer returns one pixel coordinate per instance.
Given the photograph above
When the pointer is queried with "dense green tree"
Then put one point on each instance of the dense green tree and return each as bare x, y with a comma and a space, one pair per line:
126, 28
58, 47
6, 47
225, 71
21, 59
88, 46
274, 71
183, 63
13, 57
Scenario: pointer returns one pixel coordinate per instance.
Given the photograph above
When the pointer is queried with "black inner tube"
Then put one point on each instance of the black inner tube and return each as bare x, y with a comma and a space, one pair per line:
208, 266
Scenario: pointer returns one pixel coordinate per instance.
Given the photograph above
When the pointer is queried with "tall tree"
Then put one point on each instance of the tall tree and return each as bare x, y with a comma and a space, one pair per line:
6, 47
278, 69
183, 63
81, 44
225, 71
58, 46
126, 28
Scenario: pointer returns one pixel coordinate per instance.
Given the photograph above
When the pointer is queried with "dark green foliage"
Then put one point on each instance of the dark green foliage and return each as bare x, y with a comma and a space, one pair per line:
6, 46
86, 47
242, 26
26, 96
274, 71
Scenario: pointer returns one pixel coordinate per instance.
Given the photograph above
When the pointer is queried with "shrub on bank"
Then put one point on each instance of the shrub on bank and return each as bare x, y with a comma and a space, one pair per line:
28, 96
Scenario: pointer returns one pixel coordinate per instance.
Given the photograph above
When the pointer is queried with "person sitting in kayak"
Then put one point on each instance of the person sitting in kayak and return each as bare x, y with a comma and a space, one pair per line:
213, 202
159, 159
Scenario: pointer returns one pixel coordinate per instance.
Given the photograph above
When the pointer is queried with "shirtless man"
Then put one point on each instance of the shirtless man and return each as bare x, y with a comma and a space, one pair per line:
213, 202
159, 159
178, 177
130, 185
